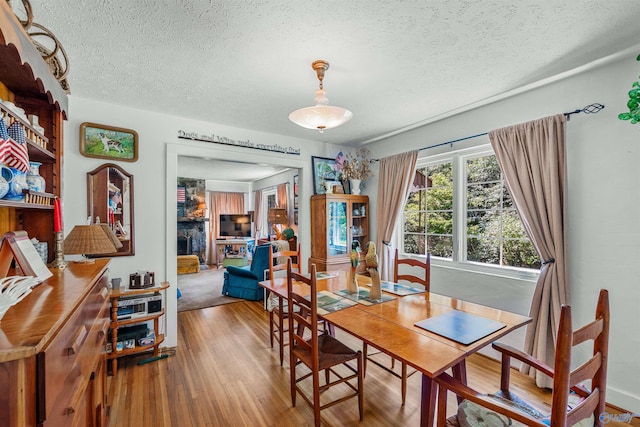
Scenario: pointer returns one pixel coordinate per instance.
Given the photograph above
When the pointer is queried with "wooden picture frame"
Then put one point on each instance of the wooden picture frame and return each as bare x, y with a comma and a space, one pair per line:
323, 170
108, 142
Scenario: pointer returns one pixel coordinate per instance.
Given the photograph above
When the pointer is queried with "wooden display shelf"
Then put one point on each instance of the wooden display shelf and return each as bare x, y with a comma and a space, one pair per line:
140, 319
123, 292
138, 349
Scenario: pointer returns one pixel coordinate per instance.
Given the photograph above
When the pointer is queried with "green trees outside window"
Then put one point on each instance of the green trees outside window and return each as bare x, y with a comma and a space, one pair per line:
492, 229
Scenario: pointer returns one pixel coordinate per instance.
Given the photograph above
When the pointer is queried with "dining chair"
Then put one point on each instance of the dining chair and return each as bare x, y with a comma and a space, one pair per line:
320, 352
420, 273
573, 403
278, 312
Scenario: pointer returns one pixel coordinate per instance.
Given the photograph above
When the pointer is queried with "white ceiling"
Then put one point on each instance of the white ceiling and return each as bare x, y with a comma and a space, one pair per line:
221, 170
247, 63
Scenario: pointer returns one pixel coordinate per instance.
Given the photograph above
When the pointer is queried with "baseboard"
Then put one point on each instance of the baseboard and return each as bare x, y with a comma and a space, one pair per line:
622, 400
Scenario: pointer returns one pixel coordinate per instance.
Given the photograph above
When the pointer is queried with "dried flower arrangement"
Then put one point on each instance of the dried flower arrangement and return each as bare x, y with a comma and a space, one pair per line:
356, 165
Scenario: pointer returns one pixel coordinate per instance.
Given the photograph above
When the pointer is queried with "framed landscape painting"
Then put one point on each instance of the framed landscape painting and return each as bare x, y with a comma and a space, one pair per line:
323, 171
108, 142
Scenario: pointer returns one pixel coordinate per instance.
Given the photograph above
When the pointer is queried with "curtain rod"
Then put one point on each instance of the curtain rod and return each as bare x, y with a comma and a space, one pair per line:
589, 109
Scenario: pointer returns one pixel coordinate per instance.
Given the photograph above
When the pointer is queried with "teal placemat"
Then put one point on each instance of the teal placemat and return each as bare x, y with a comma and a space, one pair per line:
399, 288
363, 296
329, 302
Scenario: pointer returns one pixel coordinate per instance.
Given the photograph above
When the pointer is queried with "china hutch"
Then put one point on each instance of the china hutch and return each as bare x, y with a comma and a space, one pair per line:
52, 360
338, 223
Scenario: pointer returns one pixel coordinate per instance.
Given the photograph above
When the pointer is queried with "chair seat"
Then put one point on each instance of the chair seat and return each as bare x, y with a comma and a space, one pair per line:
472, 415
331, 352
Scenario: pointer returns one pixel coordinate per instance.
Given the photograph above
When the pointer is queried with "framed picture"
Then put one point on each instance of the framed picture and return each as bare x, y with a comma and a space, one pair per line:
323, 171
295, 202
295, 217
108, 142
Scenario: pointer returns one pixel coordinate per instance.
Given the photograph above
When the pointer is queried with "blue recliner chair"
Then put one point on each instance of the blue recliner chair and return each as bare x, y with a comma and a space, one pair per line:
242, 282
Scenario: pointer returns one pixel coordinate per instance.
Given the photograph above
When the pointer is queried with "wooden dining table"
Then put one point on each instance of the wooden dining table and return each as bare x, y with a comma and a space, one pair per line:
389, 327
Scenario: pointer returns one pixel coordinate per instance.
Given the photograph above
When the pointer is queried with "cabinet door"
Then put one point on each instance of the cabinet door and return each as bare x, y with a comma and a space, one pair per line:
360, 223
337, 228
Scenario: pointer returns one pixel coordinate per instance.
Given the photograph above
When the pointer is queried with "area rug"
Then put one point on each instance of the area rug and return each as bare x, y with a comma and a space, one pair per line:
203, 289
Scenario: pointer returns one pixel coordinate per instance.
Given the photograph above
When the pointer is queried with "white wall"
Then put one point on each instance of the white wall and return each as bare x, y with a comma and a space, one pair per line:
603, 197
603, 215
154, 181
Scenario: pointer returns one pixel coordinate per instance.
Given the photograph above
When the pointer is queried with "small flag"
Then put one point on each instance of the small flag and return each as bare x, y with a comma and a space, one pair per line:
15, 154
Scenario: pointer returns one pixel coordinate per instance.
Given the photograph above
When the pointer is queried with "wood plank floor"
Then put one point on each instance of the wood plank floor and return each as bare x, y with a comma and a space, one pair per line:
224, 373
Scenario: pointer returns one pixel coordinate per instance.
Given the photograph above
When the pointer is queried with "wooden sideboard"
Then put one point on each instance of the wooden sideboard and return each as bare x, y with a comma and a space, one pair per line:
52, 359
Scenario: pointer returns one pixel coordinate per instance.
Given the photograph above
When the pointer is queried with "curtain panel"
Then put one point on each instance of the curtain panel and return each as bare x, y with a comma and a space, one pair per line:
221, 203
532, 158
394, 184
257, 214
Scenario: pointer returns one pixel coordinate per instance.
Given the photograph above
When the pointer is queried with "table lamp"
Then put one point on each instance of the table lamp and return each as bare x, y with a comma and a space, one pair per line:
94, 239
276, 217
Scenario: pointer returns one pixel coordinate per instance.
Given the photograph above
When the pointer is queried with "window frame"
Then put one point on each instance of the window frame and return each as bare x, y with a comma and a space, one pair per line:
459, 260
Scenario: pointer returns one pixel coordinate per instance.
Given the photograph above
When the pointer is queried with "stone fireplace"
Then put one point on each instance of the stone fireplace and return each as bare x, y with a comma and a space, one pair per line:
192, 237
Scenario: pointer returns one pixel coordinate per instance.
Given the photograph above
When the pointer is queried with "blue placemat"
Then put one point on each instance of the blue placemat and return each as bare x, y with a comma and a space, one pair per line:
461, 327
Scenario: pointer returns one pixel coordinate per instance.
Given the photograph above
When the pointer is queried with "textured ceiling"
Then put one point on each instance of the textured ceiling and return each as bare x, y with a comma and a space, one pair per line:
247, 63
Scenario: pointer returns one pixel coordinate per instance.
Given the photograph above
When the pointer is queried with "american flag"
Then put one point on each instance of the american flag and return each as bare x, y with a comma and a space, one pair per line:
182, 195
14, 150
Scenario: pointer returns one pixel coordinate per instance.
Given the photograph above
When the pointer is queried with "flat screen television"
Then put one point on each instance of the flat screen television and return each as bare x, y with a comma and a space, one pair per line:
234, 225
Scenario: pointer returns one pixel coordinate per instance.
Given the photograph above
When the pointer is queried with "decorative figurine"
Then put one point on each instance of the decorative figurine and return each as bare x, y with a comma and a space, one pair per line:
372, 267
352, 285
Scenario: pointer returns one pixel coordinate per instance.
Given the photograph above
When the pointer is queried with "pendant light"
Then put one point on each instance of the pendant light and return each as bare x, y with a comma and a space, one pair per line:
321, 115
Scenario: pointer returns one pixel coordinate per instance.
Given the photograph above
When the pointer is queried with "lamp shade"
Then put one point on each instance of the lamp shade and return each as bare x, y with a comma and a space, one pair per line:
89, 240
112, 236
321, 115
277, 216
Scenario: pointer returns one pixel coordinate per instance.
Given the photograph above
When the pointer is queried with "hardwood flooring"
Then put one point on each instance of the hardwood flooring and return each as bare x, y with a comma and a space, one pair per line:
224, 373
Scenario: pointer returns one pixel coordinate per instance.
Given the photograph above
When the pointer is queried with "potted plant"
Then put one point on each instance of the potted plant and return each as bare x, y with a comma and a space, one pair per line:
633, 104
356, 168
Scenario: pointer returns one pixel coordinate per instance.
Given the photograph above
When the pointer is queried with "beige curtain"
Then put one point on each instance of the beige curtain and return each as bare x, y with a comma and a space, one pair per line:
221, 203
394, 183
532, 158
282, 195
257, 214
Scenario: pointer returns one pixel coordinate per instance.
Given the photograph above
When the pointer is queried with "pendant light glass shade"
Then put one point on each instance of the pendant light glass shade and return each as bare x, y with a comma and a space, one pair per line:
320, 116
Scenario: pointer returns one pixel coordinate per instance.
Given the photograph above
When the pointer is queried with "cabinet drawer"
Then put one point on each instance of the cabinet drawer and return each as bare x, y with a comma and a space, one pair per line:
67, 362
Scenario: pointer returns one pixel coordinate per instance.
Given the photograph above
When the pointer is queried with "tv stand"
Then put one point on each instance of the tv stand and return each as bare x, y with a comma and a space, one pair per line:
234, 251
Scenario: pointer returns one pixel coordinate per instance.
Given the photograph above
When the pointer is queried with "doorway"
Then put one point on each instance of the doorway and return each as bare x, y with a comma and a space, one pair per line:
218, 153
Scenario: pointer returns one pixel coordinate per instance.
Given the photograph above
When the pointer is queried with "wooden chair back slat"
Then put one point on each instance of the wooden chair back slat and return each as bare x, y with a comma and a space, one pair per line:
425, 277
588, 331
304, 306
565, 380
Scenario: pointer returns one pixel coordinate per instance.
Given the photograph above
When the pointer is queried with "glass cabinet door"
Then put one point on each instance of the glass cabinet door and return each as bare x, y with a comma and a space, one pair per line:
337, 227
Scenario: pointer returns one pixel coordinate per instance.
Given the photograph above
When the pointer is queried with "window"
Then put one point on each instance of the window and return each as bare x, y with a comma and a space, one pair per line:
268, 202
459, 209
428, 219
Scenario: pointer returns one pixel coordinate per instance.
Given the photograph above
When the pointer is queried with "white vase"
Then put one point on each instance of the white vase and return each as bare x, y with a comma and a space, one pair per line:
355, 186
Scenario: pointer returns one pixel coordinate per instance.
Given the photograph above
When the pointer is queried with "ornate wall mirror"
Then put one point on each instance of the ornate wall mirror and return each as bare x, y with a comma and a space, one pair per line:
110, 201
